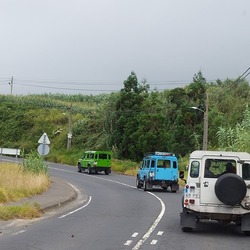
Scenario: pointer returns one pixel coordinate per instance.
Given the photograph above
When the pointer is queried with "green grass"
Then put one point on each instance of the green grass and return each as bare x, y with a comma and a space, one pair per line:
25, 211
124, 167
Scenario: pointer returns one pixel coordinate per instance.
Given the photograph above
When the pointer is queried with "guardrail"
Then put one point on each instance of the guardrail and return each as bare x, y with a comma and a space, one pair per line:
10, 151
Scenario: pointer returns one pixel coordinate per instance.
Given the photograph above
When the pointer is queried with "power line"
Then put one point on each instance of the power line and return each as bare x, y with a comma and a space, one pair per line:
60, 88
159, 85
241, 77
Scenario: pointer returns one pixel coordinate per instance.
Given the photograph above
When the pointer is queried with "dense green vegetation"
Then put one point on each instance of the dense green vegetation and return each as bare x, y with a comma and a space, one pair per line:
130, 122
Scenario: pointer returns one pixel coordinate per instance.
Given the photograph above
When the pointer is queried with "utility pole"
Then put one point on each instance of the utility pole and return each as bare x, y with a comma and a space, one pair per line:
205, 130
70, 129
11, 85
205, 121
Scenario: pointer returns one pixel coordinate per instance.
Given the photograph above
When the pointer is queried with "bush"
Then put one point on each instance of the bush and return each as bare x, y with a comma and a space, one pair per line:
33, 162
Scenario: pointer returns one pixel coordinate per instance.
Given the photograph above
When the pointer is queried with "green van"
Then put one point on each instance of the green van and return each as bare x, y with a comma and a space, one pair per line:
95, 161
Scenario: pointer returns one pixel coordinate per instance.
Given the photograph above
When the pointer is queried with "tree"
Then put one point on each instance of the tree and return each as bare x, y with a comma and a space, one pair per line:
152, 130
127, 109
197, 89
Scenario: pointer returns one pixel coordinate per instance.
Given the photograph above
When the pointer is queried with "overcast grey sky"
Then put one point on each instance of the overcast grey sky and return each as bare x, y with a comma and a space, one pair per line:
91, 46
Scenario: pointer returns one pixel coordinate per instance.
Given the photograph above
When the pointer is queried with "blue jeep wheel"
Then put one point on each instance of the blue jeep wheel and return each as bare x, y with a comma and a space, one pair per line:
138, 185
144, 185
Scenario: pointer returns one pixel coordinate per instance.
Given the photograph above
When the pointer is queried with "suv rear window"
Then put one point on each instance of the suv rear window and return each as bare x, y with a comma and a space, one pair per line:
195, 169
216, 167
246, 171
103, 156
163, 164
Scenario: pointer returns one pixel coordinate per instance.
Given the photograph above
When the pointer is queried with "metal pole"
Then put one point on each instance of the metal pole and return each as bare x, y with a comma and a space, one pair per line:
43, 149
11, 85
205, 130
70, 130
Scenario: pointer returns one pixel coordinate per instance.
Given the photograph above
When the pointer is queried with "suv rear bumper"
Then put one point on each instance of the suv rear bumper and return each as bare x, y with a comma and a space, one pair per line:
189, 218
107, 170
164, 184
217, 209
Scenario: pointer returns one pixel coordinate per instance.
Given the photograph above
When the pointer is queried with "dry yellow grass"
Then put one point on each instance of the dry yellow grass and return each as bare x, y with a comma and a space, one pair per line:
16, 183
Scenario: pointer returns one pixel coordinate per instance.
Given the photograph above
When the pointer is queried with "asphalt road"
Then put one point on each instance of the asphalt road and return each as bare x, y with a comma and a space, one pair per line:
117, 216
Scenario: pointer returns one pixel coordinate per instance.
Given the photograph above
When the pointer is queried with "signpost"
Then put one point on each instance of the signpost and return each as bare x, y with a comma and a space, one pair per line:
43, 148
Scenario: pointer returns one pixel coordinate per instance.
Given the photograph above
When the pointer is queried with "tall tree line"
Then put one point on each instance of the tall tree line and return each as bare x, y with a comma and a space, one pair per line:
134, 120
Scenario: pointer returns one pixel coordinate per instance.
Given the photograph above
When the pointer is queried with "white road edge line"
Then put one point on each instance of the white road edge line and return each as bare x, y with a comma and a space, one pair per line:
156, 222
76, 210
19, 232
152, 228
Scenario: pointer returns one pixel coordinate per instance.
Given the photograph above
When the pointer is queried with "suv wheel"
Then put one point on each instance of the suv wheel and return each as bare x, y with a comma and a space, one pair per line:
79, 168
247, 233
145, 185
90, 170
186, 229
230, 189
138, 185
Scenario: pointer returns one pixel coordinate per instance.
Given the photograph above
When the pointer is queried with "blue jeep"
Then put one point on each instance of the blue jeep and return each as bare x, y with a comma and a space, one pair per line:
158, 169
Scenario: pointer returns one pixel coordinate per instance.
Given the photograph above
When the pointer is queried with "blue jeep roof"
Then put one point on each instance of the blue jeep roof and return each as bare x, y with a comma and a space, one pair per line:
157, 153
160, 156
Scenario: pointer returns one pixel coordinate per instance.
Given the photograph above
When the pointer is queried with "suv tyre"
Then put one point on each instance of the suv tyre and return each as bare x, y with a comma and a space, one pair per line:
138, 185
79, 168
230, 189
145, 185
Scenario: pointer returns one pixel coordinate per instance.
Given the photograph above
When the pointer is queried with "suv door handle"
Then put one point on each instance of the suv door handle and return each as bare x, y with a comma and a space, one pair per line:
205, 183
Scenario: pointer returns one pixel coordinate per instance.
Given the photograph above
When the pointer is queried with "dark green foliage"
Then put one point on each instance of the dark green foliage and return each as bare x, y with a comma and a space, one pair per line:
128, 108
130, 122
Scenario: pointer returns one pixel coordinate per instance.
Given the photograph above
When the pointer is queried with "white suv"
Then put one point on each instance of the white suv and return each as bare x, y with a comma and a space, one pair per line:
217, 188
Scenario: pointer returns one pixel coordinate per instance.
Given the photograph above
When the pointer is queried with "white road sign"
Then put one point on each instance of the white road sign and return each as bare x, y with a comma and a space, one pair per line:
44, 139
43, 149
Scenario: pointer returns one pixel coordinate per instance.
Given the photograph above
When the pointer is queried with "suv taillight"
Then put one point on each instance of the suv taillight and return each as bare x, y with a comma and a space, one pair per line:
191, 201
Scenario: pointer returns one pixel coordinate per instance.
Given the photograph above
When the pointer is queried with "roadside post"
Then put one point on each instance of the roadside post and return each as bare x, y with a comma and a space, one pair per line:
43, 148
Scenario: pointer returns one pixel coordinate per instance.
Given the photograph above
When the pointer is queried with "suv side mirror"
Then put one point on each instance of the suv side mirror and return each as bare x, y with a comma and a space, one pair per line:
181, 174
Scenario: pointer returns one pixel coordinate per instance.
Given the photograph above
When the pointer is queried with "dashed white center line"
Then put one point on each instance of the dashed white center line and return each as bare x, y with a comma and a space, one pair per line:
152, 228
160, 233
154, 242
128, 243
134, 235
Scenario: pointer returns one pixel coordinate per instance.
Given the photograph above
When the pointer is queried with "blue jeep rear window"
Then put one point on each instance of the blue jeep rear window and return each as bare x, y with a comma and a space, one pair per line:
163, 164
152, 163
174, 164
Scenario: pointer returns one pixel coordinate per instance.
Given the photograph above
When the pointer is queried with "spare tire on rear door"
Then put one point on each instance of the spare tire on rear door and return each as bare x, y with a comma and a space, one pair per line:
230, 189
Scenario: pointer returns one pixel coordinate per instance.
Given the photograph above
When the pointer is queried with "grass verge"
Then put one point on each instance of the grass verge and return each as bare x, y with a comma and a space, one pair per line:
16, 184
26, 211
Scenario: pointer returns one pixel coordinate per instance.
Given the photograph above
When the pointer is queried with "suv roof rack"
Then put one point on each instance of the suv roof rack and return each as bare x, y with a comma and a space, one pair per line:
159, 153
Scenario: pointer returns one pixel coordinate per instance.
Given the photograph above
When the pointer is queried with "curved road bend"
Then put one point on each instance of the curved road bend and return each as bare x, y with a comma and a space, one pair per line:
119, 216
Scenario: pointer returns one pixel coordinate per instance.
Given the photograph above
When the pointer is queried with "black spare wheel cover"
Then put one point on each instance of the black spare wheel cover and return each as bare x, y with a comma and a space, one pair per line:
230, 189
